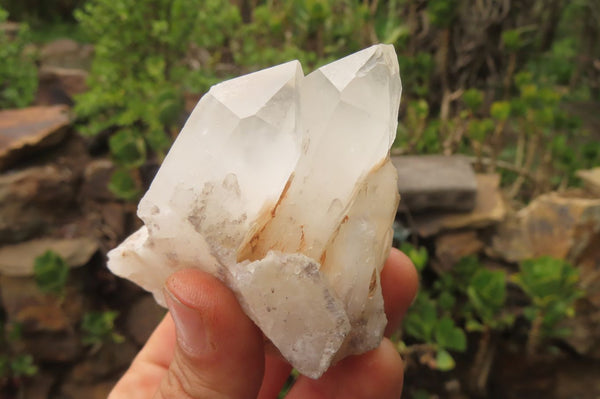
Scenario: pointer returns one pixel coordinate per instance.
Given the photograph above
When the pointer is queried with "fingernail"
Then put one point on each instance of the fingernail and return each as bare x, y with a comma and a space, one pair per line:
192, 334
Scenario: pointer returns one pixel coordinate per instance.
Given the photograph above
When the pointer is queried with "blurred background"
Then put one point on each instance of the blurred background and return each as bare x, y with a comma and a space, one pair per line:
498, 152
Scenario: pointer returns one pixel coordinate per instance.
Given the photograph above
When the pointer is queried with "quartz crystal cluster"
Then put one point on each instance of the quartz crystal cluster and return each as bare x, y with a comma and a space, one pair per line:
280, 185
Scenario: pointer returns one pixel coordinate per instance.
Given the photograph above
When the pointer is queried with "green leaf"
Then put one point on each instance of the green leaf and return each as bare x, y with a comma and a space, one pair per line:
487, 293
170, 106
128, 148
98, 327
23, 366
552, 285
474, 326
421, 318
473, 99
464, 271
546, 278
395, 35
479, 129
512, 39
51, 272
500, 110
123, 185
18, 71
441, 12
444, 361
158, 140
418, 256
446, 301
448, 336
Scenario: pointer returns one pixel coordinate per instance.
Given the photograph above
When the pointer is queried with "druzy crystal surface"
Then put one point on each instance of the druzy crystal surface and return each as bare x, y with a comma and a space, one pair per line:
280, 185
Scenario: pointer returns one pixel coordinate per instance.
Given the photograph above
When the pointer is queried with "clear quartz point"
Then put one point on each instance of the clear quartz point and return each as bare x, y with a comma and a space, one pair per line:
280, 185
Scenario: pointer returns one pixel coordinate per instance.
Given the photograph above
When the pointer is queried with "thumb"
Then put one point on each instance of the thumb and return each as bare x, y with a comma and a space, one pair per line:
219, 351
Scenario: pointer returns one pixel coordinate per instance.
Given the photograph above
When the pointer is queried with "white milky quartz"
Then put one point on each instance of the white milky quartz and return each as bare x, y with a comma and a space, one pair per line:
280, 185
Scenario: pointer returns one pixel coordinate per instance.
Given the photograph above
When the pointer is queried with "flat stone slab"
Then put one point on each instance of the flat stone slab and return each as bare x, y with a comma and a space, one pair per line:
555, 224
23, 131
435, 182
452, 246
18, 259
60, 85
489, 209
34, 199
591, 179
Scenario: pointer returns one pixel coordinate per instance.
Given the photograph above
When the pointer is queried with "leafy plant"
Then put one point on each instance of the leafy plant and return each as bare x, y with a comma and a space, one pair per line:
51, 272
487, 295
418, 255
18, 73
429, 321
424, 324
14, 365
143, 65
552, 285
99, 328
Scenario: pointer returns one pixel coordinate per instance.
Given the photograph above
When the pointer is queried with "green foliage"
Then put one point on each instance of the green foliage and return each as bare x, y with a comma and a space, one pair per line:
42, 10
51, 272
23, 366
479, 129
312, 31
512, 39
441, 12
448, 336
13, 364
99, 328
17, 367
418, 70
142, 69
469, 294
424, 324
128, 148
418, 256
123, 185
500, 110
473, 99
487, 296
552, 285
18, 73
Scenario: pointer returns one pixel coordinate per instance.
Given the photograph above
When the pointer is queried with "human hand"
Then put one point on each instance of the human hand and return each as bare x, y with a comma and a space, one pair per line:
206, 347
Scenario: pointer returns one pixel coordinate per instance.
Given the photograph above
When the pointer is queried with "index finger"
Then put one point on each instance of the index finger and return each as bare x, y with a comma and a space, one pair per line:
399, 285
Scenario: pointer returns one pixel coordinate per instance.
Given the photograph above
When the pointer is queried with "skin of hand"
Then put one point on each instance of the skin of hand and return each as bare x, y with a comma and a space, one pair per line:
207, 348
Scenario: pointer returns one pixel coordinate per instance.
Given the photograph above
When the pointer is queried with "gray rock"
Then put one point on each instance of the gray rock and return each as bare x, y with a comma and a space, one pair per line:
66, 53
435, 182
556, 224
489, 209
452, 246
59, 85
96, 177
110, 359
10, 28
591, 180
49, 324
37, 312
25, 131
38, 386
34, 199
